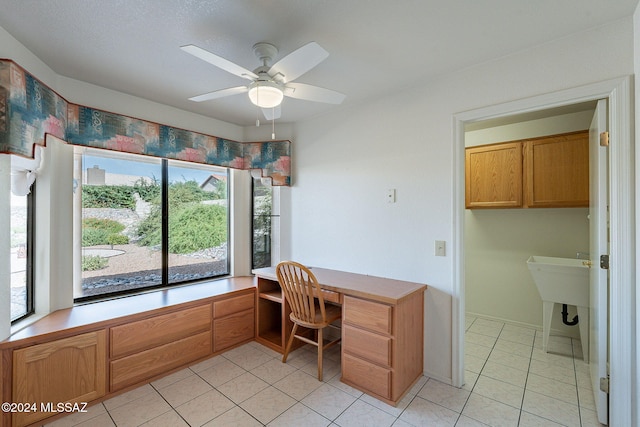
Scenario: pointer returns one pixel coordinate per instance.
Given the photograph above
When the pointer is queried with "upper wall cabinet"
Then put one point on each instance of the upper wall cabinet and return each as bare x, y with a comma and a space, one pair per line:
549, 172
494, 176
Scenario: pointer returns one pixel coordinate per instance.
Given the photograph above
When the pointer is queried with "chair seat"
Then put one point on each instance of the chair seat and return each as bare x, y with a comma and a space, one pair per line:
333, 313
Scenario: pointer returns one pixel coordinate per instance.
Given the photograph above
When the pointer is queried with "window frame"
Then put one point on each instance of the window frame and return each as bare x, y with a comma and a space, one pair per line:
274, 238
164, 267
31, 227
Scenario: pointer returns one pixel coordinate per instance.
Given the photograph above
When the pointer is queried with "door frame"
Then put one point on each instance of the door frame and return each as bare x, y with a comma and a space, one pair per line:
622, 314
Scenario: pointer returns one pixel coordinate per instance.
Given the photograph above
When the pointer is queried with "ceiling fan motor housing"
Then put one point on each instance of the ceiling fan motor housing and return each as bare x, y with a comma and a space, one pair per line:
265, 52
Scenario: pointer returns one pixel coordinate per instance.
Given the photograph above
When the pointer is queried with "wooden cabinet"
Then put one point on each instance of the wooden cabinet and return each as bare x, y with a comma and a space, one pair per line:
147, 348
158, 330
382, 345
65, 370
95, 351
493, 176
234, 321
557, 171
273, 326
551, 171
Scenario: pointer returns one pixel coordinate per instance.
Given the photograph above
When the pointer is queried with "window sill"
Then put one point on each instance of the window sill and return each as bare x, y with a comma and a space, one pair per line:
98, 314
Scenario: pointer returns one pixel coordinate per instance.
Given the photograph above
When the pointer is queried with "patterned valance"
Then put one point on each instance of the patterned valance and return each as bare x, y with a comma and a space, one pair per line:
29, 110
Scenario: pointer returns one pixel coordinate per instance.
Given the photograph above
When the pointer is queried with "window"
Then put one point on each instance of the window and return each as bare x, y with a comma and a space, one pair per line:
22, 232
266, 224
148, 223
198, 222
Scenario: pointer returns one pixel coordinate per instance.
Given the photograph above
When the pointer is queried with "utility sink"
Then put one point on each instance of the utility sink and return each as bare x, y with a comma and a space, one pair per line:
562, 281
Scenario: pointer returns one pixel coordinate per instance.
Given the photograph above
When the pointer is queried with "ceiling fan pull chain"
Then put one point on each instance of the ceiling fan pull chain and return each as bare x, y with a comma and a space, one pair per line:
273, 123
258, 114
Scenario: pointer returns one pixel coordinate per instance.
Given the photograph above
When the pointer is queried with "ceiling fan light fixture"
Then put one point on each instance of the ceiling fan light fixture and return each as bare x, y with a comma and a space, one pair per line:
265, 94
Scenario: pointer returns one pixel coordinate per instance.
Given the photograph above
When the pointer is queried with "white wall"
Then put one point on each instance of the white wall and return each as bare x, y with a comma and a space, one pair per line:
344, 162
563, 123
11, 49
636, 63
498, 242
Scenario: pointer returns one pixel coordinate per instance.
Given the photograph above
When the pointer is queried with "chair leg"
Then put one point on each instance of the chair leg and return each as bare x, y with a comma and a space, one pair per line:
288, 348
320, 342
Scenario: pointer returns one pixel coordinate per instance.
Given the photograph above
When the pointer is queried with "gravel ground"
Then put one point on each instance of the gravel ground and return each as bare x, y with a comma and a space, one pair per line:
136, 258
140, 267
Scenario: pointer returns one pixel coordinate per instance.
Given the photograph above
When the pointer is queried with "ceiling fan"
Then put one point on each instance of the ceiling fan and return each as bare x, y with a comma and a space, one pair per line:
270, 84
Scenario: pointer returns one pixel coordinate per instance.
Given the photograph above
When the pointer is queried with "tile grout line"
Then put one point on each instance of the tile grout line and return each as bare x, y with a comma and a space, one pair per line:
480, 373
575, 376
524, 388
170, 406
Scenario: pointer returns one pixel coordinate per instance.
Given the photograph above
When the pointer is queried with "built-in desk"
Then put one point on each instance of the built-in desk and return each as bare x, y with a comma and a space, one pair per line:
382, 327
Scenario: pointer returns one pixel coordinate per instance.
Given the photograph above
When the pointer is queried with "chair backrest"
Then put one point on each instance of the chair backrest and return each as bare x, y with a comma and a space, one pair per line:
300, 287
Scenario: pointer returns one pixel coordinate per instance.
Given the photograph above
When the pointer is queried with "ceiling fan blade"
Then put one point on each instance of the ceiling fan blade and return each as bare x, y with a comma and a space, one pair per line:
219, 62
219, 93
298, 62
272, 113
313, 93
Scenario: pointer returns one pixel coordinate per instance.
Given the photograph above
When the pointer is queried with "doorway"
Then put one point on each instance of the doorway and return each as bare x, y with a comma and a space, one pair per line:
499, 241
621, 339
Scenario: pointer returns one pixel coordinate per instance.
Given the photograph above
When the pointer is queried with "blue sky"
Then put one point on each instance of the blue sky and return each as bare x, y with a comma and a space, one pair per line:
149, 168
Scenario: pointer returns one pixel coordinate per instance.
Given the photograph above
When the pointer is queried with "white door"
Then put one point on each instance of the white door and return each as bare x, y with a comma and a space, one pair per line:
599, 245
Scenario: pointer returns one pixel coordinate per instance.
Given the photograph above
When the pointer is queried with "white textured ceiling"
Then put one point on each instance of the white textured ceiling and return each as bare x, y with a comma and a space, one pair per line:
132, 46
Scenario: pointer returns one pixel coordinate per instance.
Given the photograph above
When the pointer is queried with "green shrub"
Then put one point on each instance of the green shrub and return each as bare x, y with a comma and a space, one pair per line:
187, 192
97, 231
108, 196
117, 239
103, 224
149, 231
93, 262
192, 227
197, 227
149, 191
94, 236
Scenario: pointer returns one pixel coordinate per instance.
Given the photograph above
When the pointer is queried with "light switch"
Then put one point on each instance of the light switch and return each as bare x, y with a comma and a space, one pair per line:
391, 195
440, 248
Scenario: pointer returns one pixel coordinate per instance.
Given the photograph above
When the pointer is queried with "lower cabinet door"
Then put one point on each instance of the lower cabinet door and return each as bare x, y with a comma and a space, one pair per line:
366, 375
233, 329
147, 364
69, 370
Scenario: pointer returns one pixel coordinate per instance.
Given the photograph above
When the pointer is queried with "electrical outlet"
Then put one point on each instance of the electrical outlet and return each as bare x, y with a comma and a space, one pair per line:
440, 248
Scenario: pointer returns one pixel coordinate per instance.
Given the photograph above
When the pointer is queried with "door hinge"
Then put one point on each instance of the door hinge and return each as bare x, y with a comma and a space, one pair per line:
604, 262
604, 139
604, 384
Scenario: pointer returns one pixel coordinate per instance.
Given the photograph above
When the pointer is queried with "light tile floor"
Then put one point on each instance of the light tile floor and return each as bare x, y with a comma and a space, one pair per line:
509, 382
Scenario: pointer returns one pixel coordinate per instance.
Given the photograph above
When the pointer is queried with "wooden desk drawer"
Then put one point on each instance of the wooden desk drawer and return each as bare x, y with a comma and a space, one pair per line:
233, 305
366, 345
330, 296
233, 329
367, 314
158, 330
147, 364
366, 375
